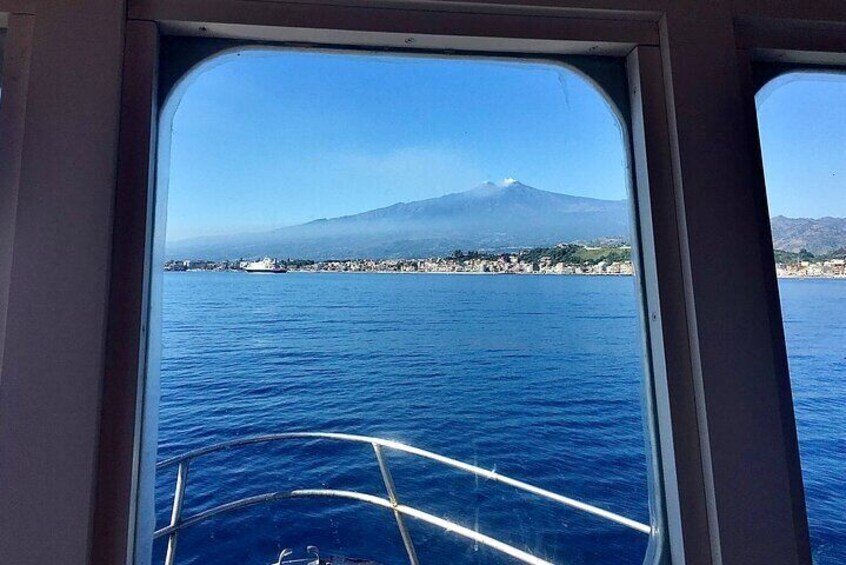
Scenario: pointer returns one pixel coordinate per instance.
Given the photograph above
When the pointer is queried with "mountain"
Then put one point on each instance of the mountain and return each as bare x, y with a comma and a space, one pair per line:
490, 217
819, 236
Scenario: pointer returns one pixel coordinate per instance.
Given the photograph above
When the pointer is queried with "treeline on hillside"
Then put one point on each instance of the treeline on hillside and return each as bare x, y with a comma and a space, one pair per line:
805, 255
570, 253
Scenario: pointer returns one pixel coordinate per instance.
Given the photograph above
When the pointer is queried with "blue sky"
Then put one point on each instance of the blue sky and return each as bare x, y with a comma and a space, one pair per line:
264, 139
802, 121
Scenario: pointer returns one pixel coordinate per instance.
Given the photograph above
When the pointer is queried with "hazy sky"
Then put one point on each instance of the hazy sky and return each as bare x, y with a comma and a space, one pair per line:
267, 139
263, 139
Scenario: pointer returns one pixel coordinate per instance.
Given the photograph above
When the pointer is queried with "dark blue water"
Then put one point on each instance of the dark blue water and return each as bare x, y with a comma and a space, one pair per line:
815, 327
537, 377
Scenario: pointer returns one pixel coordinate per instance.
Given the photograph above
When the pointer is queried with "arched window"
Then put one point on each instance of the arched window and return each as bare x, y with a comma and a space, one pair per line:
325, 211
802, 120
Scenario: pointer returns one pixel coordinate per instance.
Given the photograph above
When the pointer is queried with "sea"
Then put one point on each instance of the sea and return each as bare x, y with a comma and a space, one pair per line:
539, 378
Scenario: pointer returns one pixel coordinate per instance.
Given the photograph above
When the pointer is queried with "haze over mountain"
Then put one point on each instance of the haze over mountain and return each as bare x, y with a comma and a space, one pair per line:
490, 217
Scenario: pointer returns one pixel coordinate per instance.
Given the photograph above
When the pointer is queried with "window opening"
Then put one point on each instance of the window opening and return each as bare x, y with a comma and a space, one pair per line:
802, 122
399, 321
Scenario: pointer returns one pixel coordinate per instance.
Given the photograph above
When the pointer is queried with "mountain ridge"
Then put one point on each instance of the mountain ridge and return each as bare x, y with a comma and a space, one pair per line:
489, 217
817, 235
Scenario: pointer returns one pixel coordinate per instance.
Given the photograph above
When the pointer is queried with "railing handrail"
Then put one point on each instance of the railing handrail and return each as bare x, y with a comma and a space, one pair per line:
473, 535
392, 502
390, 444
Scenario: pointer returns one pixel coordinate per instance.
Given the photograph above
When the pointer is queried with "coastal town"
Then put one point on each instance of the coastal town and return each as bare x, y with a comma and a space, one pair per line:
828, 268
507, 265
565, 259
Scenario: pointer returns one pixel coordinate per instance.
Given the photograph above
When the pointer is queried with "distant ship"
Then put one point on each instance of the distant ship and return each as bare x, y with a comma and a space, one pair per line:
266, 265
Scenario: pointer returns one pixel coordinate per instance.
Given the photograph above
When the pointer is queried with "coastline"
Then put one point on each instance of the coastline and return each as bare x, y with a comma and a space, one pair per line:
476, 273
564, 259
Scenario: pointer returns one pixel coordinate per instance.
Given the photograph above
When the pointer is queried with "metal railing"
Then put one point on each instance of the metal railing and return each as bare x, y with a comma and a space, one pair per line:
392, 503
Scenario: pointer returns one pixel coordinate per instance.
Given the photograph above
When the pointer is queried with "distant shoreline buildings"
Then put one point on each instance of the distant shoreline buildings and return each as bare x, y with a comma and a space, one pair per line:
508, 265
564, 259
825, 269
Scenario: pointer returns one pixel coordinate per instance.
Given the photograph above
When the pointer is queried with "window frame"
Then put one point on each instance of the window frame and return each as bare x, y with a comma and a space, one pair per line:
659, 400
15, 30
676, 50
767, 68
678, 392
181, 56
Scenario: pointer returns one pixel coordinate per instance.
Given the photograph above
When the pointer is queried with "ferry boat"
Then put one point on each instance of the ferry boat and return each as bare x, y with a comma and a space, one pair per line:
266, 265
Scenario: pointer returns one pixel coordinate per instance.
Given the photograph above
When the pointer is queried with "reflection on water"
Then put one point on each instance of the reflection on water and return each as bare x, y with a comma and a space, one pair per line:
537, 377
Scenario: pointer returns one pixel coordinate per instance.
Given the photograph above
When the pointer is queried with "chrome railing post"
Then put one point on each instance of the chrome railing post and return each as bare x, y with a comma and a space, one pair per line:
392, 497
176, 513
